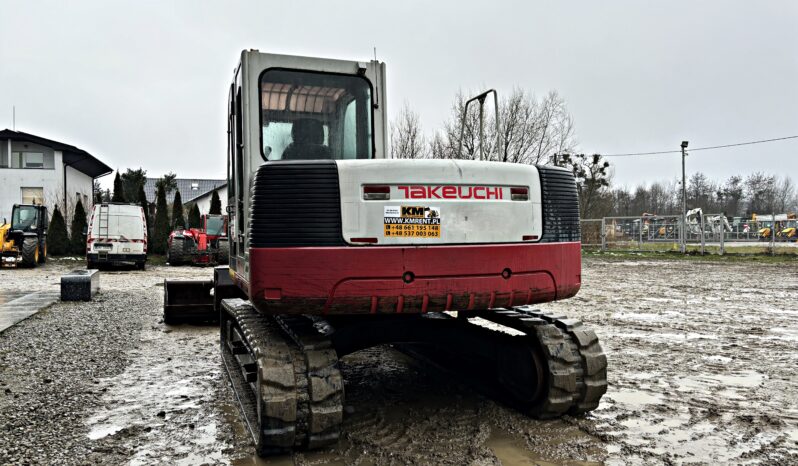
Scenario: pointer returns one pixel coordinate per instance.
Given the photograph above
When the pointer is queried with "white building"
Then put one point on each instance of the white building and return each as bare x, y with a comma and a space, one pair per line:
192, 191
203, 201
35, 170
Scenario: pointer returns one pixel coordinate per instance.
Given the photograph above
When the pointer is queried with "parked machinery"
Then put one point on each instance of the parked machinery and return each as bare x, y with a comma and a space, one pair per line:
789, 229
335, 249
24, 240
782, 225
206, 245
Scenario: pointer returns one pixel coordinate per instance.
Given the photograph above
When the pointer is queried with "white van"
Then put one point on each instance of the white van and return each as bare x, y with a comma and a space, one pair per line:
117, 234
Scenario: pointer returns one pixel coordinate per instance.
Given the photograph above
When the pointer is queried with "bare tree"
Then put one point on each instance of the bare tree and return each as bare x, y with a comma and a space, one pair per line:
516, 118
461, 135
407, 139
785, 196
439, 147
553, 129
531, 131
760, 193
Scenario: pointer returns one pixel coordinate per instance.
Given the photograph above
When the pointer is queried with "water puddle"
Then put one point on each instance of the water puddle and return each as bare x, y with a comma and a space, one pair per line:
100, 431
634, 397
744, 379
511, 451
158, 406
7, 296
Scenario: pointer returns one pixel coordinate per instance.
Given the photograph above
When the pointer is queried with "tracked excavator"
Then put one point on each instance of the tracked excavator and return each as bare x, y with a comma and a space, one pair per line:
335, 247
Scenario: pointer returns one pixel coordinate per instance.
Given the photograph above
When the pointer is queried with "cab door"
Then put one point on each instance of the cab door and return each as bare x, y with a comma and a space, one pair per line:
235, 176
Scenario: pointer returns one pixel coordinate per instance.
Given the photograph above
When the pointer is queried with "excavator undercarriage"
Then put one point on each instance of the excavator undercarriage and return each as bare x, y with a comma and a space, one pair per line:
285, 371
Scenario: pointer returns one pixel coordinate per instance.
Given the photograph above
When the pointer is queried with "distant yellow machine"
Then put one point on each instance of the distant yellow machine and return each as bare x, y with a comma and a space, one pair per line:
785, 227
789, 234
5, 244
24, 240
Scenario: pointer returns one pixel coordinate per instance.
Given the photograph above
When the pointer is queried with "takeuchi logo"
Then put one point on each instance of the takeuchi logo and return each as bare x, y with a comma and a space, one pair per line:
452, 192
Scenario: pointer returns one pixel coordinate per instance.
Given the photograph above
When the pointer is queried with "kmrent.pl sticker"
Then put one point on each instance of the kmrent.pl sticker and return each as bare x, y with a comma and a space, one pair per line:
412, 222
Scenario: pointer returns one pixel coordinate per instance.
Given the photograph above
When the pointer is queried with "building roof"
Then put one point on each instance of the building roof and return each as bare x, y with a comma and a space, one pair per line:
206, 194
190, 188
73, 156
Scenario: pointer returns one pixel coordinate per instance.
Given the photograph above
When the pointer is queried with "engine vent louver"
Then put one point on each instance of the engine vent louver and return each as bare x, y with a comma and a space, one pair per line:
560, 205
295, 203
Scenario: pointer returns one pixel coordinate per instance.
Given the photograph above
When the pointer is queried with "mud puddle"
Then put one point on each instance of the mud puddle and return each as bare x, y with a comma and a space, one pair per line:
162, 407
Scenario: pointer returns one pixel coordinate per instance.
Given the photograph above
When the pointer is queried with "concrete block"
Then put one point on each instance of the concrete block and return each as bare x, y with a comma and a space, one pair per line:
80, 285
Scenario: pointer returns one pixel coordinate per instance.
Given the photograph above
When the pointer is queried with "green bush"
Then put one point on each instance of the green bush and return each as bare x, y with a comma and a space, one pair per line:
161, 234
178, 218
216, 204
119, 189
142, 200
79, 224
57, 238
194, 217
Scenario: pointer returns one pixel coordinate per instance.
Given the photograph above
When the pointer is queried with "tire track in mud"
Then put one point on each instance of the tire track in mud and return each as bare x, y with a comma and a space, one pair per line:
702, 358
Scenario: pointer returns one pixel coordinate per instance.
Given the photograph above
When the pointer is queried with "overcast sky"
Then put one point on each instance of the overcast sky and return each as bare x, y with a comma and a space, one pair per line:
145, 83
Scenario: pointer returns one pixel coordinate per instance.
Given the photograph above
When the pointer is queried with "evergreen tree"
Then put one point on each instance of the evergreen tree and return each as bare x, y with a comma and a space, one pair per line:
97, 191
131, 180
119, 189
79, 224
57, 239
178, 218
216, 204
168, 181
142, 200
194, 217
162, 230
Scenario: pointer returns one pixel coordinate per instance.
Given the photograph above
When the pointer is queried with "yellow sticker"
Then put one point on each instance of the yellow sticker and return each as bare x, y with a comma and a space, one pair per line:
412, 222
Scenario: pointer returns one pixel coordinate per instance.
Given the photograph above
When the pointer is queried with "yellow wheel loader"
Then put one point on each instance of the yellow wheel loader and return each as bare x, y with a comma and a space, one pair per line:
24, 240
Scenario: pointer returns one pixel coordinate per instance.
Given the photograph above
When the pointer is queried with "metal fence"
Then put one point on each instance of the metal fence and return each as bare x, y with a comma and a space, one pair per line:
704, 233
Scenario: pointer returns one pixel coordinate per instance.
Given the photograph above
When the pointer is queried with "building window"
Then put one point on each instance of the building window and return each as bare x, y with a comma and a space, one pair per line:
32, 160
195, 186
3, 160
33, 196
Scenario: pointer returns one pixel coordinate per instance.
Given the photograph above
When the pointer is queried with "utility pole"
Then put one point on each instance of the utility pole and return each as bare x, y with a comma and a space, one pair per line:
684, 200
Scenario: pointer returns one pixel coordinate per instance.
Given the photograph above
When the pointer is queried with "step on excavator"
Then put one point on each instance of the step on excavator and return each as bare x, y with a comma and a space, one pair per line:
335, 247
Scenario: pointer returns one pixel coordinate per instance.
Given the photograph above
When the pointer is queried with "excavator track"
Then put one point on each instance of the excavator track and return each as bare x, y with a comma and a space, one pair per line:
586, 364
285, 376
555, 367
284, 369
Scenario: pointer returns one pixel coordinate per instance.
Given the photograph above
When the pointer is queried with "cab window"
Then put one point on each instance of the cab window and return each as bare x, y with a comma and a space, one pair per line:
311, 116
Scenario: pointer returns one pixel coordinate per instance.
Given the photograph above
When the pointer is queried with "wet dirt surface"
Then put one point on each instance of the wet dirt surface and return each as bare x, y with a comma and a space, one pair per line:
702, 361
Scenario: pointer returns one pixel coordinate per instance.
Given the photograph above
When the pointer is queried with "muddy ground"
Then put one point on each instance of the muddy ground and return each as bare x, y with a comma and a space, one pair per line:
702, 370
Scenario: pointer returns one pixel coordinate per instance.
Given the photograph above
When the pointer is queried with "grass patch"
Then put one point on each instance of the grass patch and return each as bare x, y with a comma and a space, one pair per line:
156, 259
737, 256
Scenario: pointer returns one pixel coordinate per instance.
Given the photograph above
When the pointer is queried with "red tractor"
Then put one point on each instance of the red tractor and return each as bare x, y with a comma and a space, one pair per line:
200, 246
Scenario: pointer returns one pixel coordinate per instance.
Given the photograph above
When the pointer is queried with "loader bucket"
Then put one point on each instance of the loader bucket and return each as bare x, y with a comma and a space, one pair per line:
188, 301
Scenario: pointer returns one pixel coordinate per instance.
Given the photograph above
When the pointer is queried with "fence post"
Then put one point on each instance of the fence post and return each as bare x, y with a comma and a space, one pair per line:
640, 235
722, 237
603, 234
703, 229
773, 235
